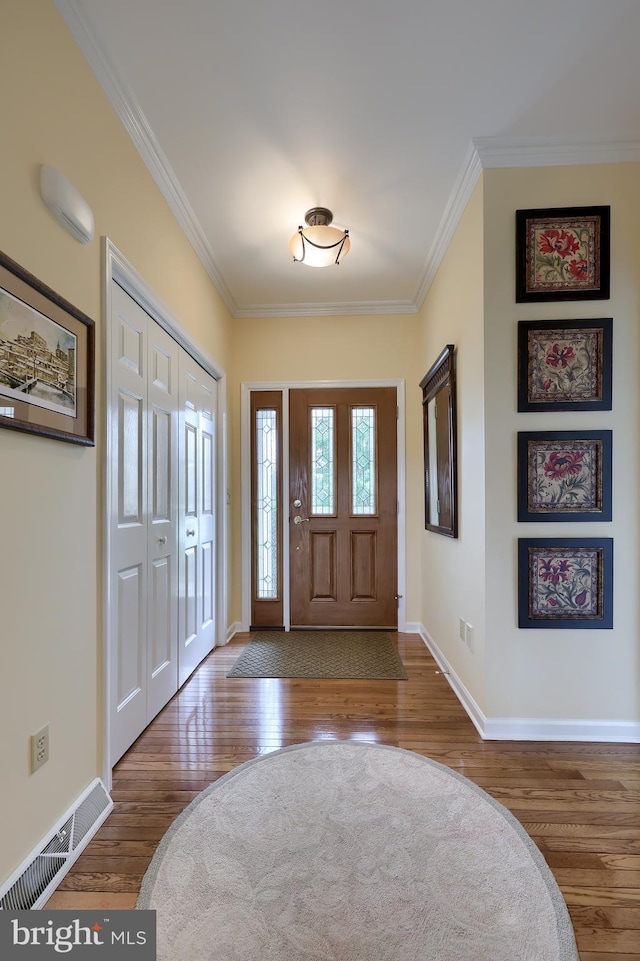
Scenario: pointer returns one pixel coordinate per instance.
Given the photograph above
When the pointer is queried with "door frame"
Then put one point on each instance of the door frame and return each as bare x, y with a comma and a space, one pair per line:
245, 461
117, 268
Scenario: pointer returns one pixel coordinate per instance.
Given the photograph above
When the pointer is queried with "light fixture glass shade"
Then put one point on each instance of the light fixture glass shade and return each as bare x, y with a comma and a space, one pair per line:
318, 244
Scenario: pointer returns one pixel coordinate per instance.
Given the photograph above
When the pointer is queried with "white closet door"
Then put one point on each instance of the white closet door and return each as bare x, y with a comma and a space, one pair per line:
143, 515
197, 544
162, 515
128, 600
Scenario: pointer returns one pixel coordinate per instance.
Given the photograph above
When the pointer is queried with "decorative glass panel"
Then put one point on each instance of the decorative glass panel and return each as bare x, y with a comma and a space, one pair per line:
322, 460
266, 504
363, 460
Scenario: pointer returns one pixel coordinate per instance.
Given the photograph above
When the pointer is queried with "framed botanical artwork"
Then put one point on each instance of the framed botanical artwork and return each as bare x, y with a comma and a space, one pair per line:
562, 253
565, 364
565, 582
564, 475
46, 360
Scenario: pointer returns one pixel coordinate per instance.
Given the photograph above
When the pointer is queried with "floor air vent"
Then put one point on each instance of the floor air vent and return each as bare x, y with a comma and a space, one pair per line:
43, 870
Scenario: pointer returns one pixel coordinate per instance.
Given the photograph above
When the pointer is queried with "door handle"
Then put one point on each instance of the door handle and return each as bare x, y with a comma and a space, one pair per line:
162, 540
299, 520
191, 533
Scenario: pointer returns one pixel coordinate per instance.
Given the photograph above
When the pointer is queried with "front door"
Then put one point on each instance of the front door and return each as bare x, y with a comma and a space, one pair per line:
343, 507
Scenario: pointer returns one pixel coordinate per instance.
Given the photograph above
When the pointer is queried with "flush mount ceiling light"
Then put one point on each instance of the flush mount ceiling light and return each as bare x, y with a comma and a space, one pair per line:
318, 244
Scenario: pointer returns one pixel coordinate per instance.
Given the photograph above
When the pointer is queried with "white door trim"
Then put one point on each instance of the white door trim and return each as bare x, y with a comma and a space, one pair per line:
245, 461
117, 268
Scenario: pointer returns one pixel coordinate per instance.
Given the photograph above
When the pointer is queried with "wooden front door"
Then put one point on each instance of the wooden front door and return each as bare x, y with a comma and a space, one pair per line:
343, 507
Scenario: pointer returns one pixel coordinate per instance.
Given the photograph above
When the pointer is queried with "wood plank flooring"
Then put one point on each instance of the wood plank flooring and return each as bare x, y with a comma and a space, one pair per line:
580, 802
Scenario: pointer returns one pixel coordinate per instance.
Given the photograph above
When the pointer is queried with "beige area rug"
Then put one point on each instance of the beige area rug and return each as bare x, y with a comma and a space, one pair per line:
335, 654
348, 851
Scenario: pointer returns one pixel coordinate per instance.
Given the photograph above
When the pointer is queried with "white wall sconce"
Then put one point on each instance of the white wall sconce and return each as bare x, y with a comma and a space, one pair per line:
65, 203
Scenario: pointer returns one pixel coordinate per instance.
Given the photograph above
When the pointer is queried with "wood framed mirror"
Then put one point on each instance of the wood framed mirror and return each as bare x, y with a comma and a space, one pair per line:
440, 447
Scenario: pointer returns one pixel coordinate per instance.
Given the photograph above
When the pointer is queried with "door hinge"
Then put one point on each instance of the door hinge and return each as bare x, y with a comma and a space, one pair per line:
397, 413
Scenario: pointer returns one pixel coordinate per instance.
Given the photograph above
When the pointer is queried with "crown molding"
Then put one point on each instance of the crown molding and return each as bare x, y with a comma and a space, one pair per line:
335, 309
465, 183
143, 137
496, 152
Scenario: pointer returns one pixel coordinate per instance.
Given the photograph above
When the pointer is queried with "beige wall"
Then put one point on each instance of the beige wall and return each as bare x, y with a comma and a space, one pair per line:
452, 570
563, 674
50, 657
332, 348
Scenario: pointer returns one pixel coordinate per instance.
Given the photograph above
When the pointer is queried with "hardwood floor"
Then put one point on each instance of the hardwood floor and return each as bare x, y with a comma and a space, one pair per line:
580, 802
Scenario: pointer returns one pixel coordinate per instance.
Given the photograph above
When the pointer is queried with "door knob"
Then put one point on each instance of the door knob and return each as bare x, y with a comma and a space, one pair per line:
299, 520
162, 540
191, 533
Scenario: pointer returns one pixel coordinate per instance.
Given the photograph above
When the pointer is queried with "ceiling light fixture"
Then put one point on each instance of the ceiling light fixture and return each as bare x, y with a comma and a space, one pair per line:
318, 244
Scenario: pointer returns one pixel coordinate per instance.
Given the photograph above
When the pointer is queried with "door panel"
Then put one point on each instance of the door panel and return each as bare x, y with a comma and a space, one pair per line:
162, 632
131, 655
197, 595
323, 564
364, 578
143, 640
343, 471
207, 516
129, 562
162, 529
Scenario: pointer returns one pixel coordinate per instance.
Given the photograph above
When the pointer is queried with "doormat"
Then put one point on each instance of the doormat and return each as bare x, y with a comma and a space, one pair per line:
333, 654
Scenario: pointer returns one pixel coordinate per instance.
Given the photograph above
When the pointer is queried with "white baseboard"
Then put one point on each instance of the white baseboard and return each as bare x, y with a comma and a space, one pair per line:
461, 692
232, 630
549, 729
527, 728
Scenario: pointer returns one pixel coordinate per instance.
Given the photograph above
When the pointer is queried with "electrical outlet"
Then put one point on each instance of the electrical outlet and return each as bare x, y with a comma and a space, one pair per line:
39, 748
462, 628
469, 637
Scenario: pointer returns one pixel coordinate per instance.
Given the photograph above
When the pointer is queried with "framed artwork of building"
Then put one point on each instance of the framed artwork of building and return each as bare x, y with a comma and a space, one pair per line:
46, 360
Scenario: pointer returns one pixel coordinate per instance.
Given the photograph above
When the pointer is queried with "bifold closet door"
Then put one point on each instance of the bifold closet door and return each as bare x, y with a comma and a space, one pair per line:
197, 533
143, 641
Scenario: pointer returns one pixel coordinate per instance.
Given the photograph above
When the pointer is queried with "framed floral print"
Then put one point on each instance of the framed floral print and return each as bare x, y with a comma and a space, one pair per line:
562, 253
564, 475
565, 583
565, 364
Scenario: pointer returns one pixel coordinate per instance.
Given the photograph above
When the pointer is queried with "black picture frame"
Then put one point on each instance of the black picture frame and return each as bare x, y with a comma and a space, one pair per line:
47, 360
565, 583
565, 475
565, 364
563, 253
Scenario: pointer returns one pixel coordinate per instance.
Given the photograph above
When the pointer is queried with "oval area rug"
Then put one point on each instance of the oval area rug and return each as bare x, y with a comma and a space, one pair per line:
350, 851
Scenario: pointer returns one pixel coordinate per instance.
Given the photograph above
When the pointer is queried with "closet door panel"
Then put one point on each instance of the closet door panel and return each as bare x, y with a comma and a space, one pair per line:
128, 571
162, 514
197, 545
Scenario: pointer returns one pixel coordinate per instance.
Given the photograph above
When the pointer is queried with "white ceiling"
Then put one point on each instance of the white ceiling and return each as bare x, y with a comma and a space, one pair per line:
249, 112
